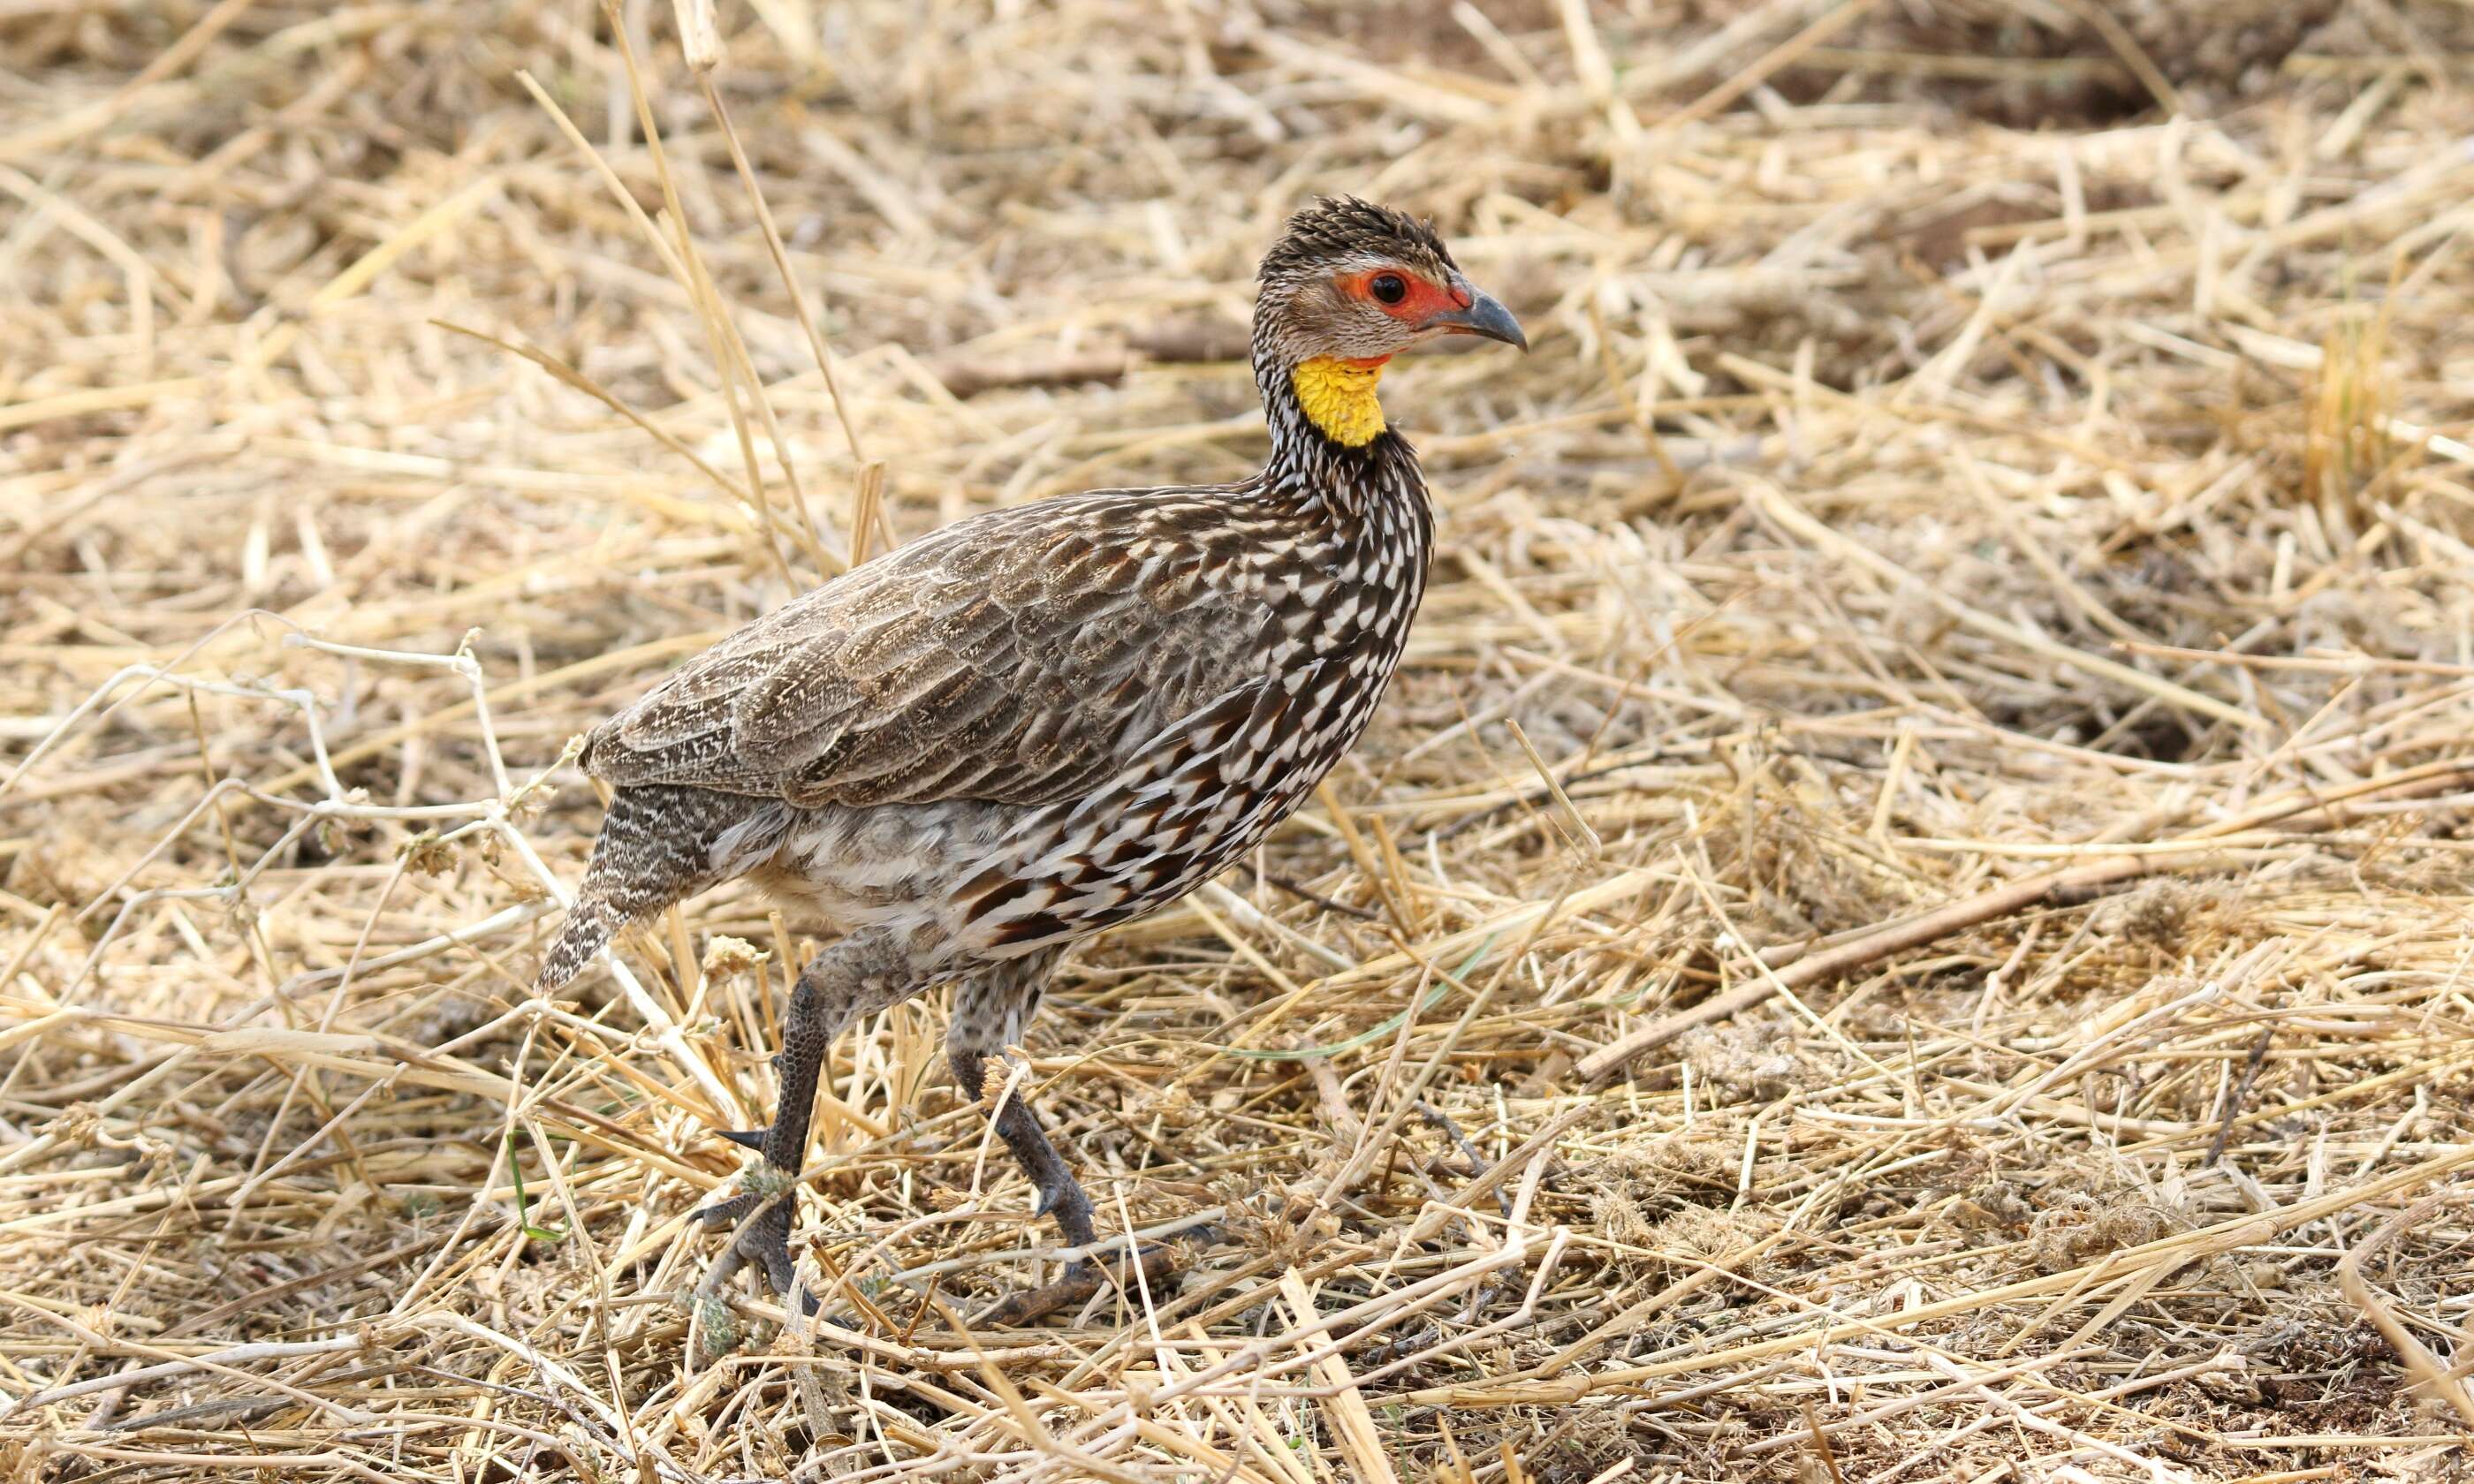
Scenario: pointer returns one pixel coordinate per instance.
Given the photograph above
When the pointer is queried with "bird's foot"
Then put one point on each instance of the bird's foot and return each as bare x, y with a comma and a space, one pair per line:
759, 1217
1076, 1286
765, 1184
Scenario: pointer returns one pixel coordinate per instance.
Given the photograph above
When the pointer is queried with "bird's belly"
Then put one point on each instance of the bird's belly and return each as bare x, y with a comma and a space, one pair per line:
893, 866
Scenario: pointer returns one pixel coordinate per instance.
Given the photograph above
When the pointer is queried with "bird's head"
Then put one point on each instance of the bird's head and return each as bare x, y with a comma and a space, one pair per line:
1348, 286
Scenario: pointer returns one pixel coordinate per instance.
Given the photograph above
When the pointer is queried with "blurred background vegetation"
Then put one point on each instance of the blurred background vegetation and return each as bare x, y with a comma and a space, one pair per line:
1963, 439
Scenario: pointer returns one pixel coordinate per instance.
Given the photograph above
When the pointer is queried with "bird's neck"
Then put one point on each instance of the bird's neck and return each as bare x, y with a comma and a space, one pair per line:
1331, 444
1337, 397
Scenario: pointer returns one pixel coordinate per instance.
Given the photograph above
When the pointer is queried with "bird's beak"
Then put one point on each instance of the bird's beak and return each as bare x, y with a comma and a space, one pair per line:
1485, 316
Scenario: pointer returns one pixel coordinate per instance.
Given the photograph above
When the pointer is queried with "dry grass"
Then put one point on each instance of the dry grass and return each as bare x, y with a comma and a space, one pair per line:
1951, 658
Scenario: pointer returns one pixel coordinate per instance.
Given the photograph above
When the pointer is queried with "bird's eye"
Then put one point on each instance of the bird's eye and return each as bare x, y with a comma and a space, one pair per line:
1389, 288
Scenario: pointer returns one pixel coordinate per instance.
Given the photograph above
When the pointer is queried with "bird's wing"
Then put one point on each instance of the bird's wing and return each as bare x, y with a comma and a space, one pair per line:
1019, 657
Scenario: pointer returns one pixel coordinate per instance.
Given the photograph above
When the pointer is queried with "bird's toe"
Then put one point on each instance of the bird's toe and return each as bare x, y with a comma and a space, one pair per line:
726, 1213
768, 1244
1075, 1286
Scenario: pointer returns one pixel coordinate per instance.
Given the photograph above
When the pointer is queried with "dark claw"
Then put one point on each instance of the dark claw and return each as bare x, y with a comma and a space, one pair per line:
746, 1138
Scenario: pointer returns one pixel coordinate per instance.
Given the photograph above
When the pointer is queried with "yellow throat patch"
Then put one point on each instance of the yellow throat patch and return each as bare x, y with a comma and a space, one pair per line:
1339, 398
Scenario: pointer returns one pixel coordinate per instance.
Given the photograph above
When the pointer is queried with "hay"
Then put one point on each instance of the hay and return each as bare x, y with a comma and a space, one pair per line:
1944, 687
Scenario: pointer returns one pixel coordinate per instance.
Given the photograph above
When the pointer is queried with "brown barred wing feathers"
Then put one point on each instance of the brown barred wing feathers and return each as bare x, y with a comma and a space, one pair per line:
1016, 657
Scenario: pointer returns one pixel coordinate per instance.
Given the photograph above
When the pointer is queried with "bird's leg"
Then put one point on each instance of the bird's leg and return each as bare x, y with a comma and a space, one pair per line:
1060, 1195
989, 1010
854, 977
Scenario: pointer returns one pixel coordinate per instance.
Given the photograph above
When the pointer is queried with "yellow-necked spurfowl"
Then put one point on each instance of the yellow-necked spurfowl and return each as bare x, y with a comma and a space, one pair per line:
979, 749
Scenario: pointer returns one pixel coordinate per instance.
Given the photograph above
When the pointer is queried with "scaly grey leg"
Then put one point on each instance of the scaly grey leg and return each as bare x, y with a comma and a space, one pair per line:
989, 1010
857, 977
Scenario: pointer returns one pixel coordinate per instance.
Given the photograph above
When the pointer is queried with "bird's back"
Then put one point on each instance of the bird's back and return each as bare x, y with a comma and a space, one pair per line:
1018, 656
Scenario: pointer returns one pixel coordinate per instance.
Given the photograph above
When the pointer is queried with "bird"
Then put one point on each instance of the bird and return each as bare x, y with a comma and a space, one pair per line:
979, 749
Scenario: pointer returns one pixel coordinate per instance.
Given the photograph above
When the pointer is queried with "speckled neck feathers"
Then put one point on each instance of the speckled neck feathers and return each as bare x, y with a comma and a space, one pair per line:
1344, 463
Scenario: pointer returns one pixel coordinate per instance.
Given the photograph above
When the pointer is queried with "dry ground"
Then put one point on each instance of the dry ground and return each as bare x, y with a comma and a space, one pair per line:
1963, 440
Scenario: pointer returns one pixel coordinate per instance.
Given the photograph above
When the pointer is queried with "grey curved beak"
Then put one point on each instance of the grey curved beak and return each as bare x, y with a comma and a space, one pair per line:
1485, 316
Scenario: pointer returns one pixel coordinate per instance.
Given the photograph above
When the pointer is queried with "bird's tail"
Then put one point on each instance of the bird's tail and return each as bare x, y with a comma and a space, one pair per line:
655, 848
589, 925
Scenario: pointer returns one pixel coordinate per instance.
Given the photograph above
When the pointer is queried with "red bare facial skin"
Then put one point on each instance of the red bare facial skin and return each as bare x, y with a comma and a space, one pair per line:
1422, 302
